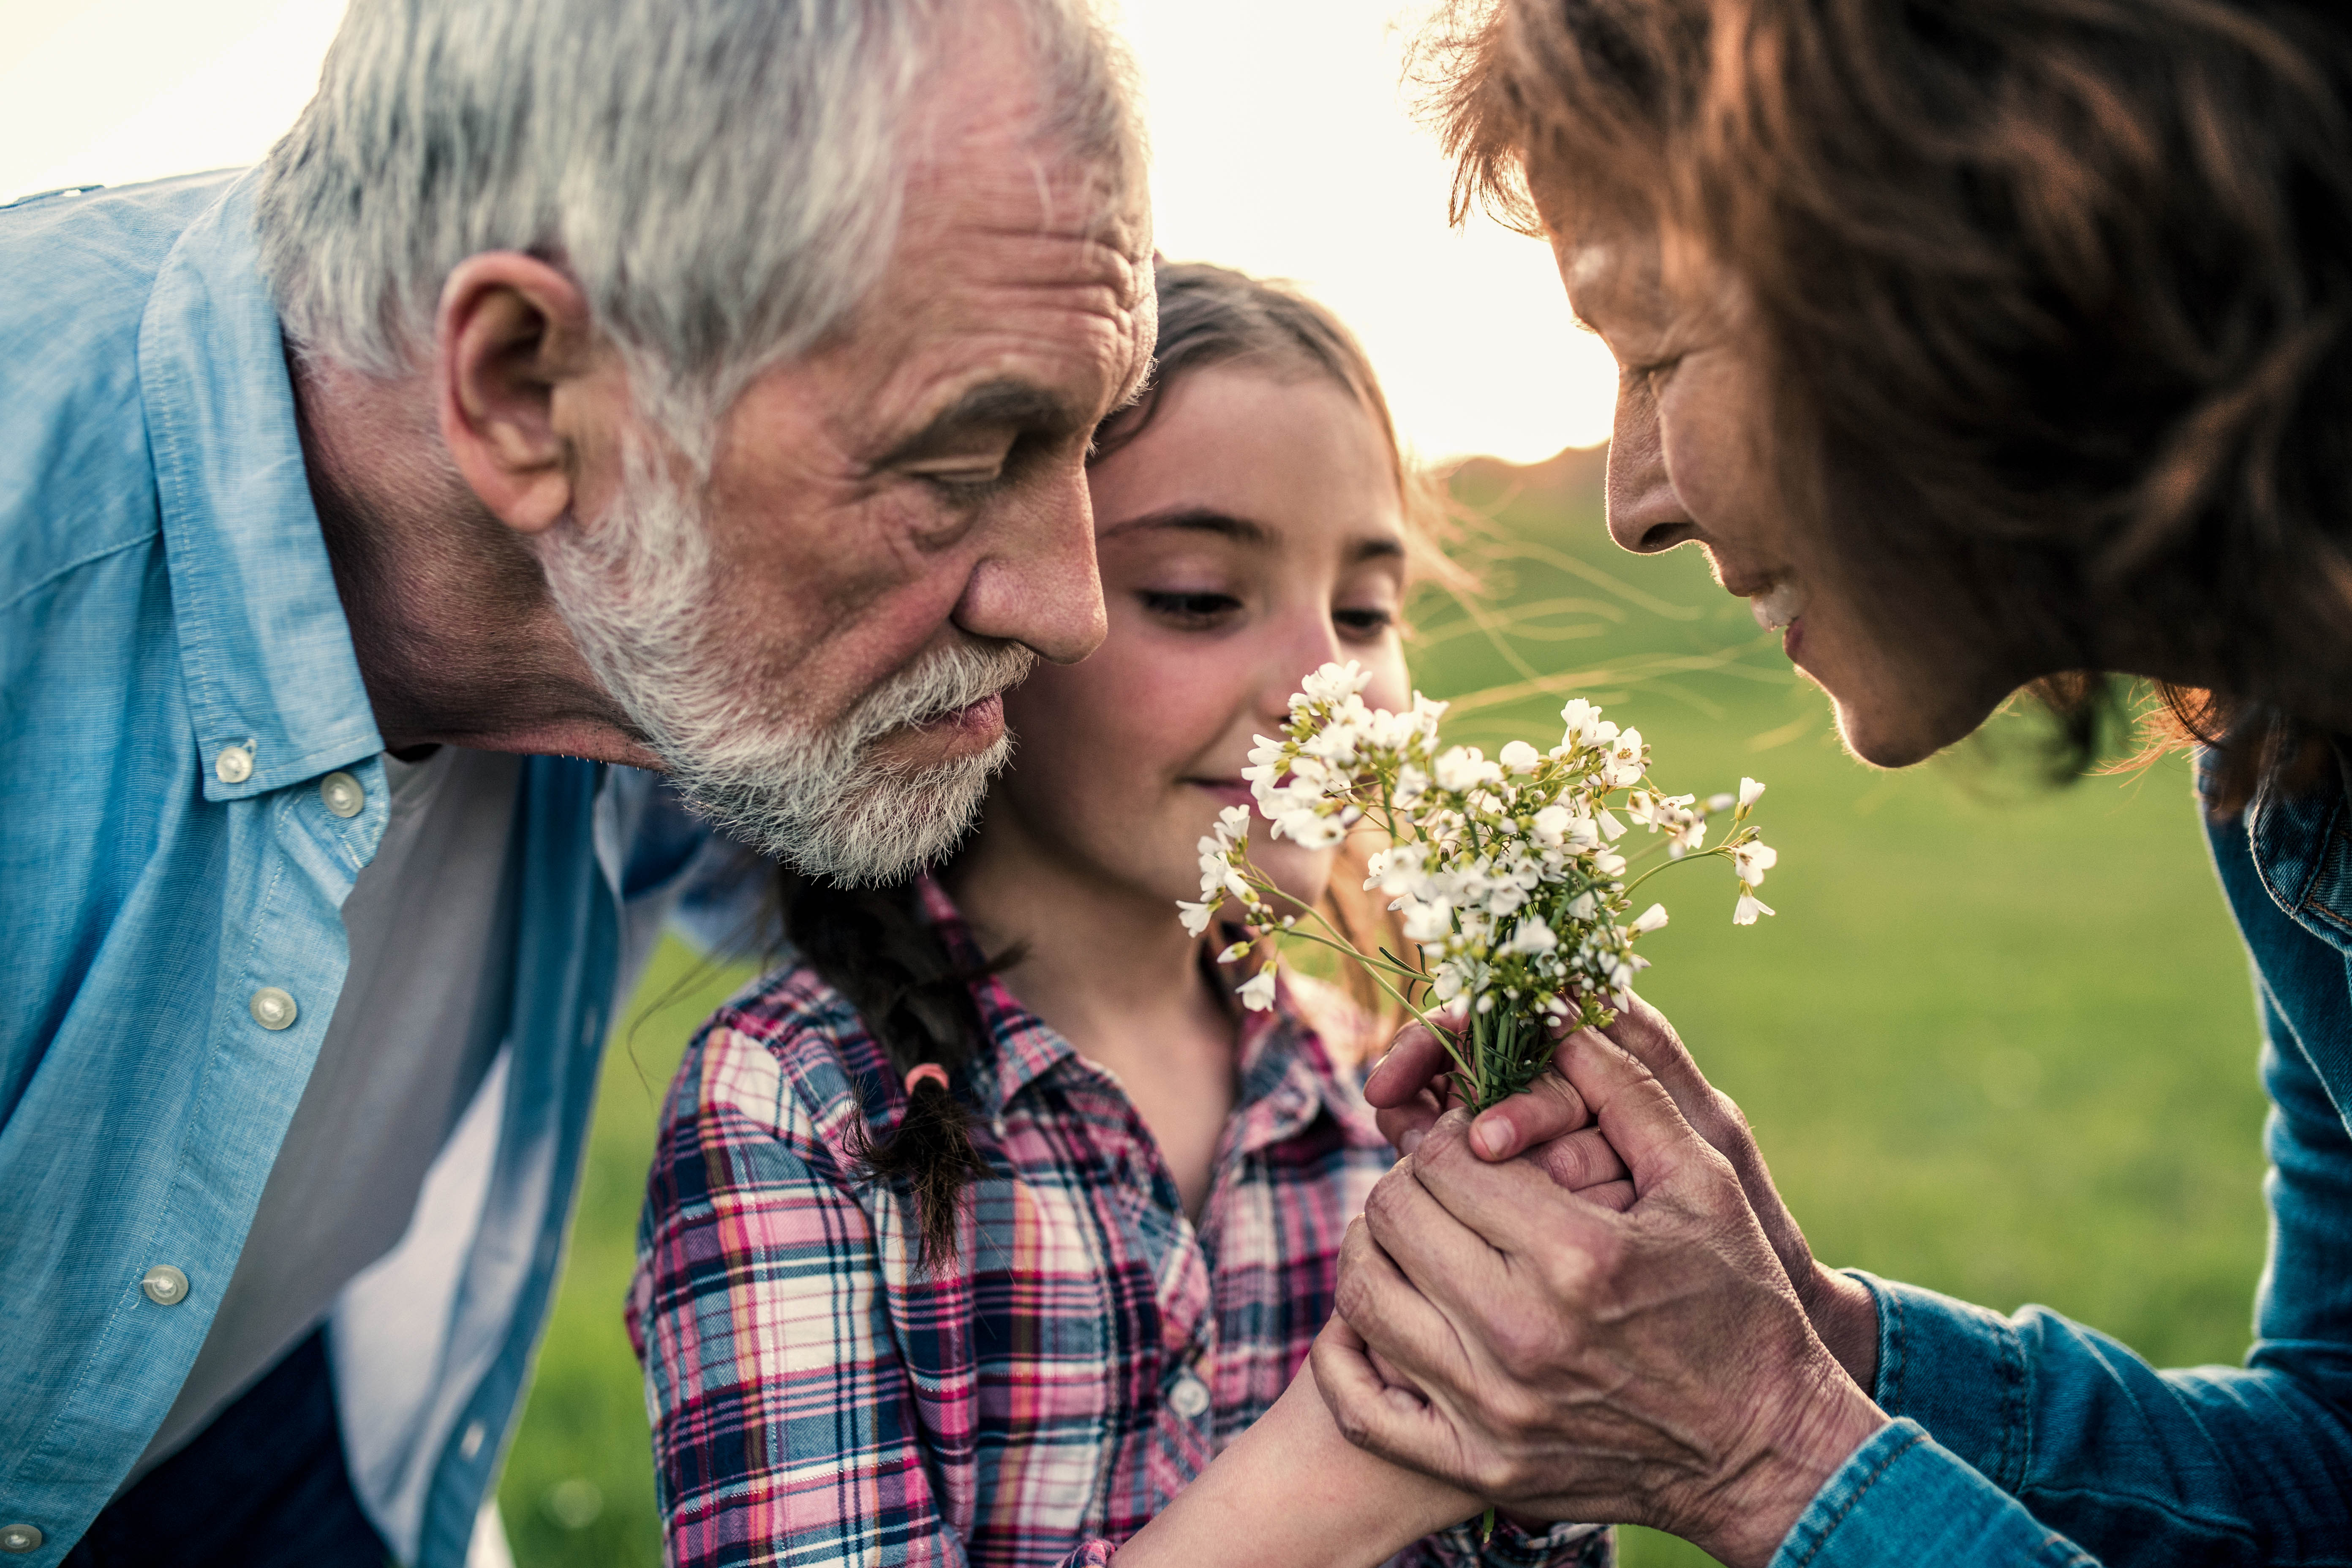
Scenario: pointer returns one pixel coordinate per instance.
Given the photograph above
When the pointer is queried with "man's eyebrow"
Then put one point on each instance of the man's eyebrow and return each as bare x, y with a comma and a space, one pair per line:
1197, 519
1020, 405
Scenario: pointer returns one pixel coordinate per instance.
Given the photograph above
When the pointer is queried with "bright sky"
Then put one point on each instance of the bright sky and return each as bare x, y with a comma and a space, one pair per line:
1280, 144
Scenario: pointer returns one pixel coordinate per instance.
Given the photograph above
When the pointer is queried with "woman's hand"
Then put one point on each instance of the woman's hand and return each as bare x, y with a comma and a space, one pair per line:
1652, 1366
1551, 1125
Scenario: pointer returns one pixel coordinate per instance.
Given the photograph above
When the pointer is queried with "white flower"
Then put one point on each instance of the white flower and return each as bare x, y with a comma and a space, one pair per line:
1335, 683
1750, 791
1464, 768
1720, 803
1238, 950
1196, 916
1257, 992
1308, 829
1518, 757
1550, 827
1609, 863
1399, 869
1532, 939
1648, 920
1749, 906
1626, 760
1427, 919
1610, 828
1752, 860
1233, 824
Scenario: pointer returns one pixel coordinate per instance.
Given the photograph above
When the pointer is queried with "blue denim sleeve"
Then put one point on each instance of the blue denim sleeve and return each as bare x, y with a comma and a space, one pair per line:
1903, 1499
2211, 1465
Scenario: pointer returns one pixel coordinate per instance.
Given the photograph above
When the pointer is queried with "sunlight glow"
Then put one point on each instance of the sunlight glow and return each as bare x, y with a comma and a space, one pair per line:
1281, 144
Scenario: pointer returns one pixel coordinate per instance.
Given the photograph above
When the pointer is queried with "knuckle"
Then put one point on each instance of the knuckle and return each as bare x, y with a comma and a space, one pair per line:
1349, 1415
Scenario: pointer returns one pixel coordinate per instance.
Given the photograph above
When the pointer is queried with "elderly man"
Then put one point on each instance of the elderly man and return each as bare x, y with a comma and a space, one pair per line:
583, 386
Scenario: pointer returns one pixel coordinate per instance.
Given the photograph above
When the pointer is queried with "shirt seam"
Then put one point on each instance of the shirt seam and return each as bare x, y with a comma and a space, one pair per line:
2200, 1525
1853, 1499
76, 564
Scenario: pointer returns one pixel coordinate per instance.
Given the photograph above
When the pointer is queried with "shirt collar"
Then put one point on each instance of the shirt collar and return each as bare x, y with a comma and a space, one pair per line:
265, 649
1284, 1073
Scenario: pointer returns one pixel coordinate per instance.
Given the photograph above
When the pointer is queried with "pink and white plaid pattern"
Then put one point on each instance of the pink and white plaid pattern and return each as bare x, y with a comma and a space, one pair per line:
816, 1401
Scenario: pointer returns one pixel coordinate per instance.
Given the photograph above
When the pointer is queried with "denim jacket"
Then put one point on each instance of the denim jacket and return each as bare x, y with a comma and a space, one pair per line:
2031, 1439
177, 679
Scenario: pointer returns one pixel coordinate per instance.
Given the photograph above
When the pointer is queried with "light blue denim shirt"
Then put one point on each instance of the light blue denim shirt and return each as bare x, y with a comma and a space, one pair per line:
176, 677
2031, 1439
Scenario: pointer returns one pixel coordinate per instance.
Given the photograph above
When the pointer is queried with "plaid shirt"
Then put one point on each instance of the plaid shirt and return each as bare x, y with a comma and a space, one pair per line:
815, 1400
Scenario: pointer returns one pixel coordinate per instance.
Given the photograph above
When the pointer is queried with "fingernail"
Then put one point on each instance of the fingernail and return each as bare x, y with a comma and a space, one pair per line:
1411, 1140
1493, 1137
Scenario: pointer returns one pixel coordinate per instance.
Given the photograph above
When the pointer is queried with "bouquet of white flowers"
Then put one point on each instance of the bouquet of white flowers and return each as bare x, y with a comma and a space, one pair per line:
1508, 874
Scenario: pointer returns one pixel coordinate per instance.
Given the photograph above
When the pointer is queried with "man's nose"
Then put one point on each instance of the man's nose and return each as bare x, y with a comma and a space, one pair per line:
1037, 583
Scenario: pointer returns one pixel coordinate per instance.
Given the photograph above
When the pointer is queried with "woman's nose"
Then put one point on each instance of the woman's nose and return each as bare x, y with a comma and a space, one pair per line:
1645, 515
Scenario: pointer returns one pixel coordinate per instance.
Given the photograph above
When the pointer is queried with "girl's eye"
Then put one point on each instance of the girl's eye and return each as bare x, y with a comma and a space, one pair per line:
1190, 609
1367, 622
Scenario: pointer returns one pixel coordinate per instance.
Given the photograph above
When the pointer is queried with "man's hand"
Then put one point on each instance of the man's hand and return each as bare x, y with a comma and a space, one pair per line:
1551, 1123
1572, 1361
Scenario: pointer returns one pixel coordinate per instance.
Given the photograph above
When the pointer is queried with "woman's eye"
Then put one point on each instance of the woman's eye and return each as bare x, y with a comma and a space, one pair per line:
1367, 622
1190, 609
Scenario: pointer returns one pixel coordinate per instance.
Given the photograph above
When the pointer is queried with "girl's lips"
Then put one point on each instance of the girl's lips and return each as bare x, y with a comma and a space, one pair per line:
1230, 792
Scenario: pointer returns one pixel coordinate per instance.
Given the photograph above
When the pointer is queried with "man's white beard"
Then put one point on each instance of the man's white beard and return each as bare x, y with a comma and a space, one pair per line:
638, 595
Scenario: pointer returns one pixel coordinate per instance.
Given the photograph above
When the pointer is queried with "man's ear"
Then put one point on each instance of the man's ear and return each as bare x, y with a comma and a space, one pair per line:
511, 335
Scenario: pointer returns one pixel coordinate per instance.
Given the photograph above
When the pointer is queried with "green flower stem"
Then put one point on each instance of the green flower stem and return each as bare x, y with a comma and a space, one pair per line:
1337, 943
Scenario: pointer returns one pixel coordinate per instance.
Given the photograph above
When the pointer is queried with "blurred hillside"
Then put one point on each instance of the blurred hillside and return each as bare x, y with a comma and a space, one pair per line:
1998, 1041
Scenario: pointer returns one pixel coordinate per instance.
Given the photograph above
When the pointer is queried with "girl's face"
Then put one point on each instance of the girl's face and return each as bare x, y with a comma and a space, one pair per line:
1251, 533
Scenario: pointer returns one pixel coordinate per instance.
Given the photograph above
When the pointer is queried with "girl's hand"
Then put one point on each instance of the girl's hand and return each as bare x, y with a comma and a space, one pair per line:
1292, 1490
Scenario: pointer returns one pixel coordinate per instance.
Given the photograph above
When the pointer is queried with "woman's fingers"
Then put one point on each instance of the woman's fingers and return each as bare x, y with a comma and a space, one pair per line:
1546, 1109
1381, 1306
1417, 1057
1374, 1415
1405, 1125
1580, 1161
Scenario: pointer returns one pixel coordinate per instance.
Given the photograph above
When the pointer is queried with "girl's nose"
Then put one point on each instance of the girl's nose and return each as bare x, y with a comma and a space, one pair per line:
1314, 643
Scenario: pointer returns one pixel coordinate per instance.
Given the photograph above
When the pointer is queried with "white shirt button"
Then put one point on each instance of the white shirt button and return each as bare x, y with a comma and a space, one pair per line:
343, 795
272, 1008
165, 1286
1190, 1398
234, 764
20, 1538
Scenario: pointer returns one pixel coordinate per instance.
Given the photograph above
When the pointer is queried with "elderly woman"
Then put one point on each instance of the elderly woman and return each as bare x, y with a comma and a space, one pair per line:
1980, 346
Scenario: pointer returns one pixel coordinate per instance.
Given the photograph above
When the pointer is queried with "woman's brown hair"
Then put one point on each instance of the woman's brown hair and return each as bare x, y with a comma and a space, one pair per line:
873, 945
2053, 296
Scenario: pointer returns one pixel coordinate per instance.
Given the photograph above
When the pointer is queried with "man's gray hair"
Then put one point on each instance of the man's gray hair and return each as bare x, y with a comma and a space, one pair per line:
723, 177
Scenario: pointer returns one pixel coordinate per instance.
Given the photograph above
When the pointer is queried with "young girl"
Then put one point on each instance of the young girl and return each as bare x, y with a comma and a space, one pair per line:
978, 1233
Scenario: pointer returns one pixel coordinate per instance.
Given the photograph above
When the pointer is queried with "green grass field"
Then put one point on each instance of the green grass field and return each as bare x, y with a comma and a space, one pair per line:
1998, 1041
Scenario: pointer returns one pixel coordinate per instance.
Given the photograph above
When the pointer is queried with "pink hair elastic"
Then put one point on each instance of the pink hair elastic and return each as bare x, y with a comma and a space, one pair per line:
929, 1072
